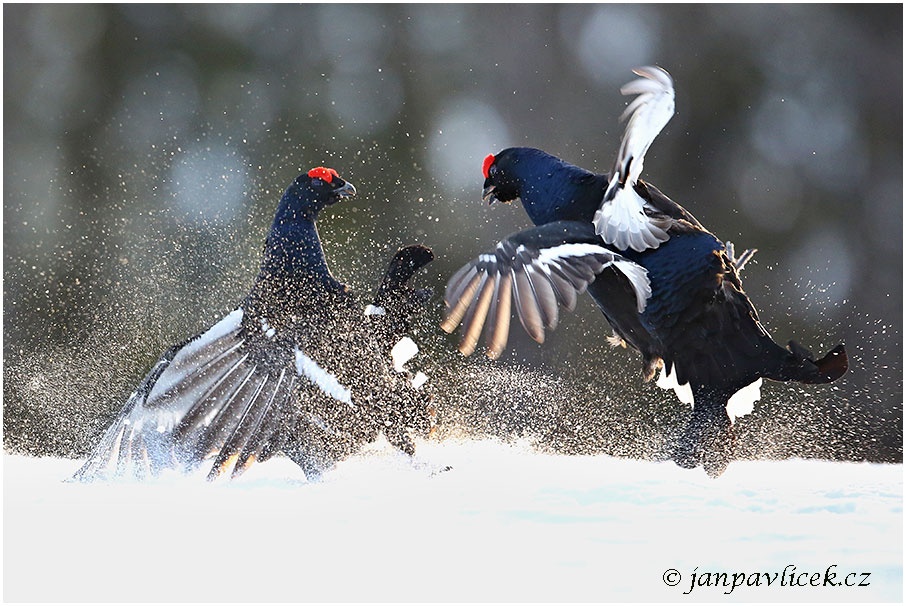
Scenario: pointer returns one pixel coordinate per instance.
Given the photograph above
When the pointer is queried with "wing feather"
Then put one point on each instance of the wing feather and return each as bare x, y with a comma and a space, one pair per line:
230, 413
482, 305
204, 410
245, 425
621, 219
452, 291
263, 435
501, 325
266, 422
461, 302
575, 282
563, 288
544, 293
527, 305
203, 400
537, 269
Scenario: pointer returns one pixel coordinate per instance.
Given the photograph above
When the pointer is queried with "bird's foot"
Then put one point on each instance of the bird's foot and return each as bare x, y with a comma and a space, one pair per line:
710, 444
687, 452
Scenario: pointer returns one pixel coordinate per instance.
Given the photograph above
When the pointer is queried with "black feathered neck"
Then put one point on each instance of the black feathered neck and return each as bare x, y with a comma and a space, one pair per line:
550, 188
294, 274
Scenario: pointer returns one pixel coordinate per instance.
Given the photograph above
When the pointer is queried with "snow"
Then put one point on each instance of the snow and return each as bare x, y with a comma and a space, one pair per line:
506, 523
374, 310
419, 379
404, 350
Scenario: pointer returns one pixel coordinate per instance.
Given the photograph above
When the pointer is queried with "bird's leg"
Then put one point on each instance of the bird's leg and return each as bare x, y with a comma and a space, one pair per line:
708, 439
718, 441
400, 439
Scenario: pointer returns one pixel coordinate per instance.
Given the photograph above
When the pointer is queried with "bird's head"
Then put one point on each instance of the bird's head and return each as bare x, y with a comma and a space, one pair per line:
314, 190
501, 180
548, 188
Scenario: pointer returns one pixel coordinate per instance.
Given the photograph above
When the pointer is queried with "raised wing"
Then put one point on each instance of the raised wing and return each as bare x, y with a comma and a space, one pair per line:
223, 398
621, 220
535, 271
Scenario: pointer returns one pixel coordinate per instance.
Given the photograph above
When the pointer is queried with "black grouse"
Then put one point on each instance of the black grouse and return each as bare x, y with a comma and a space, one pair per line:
667, 286
299, 367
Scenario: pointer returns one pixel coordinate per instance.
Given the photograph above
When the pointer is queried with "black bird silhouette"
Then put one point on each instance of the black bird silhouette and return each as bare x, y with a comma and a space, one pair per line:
667, 286
299, 367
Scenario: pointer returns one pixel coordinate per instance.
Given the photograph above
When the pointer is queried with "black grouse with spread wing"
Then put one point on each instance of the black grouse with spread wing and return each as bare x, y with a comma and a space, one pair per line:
300, 367
667, 286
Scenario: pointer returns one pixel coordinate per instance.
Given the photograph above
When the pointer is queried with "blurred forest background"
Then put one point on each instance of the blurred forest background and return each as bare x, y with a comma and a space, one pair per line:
146, 146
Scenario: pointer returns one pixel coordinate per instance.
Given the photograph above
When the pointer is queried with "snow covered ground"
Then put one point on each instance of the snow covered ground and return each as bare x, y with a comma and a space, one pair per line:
507, 523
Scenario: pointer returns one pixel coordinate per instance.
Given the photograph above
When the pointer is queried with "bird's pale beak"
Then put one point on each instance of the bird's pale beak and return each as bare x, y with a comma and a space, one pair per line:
348, 190
487, 194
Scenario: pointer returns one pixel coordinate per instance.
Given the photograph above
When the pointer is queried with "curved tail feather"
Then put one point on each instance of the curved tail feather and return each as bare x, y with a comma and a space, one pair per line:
395, 299
708, 438
801, 365
403, 266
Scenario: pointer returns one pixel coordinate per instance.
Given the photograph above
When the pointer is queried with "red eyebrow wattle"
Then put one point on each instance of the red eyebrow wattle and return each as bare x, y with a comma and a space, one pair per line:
321, 172
489, 159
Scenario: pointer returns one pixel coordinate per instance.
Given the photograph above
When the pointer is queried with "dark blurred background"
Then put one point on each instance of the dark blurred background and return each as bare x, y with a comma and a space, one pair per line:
145, 147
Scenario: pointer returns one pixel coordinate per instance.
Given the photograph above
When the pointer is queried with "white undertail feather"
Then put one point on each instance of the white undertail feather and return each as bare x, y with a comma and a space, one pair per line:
667, 380
404, 350
743, 401
740, 403
374, 310
621, 219
419, 379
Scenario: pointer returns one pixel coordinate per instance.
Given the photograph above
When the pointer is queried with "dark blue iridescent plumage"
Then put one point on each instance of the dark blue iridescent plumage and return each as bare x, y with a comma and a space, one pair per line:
299, 367
697, 322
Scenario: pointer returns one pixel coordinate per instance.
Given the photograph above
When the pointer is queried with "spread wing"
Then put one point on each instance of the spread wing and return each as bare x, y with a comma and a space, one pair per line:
244, 390
221, 399
621, 220
535, 271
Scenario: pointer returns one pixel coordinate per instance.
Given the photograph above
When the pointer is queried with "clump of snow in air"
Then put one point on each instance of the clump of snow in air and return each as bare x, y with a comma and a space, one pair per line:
506, 523
404, 350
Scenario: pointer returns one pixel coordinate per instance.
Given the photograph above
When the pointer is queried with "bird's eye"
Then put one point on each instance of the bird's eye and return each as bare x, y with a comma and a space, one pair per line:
492, 171
317, 182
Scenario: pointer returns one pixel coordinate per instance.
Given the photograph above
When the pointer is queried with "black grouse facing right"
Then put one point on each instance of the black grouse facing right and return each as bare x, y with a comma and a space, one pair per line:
302, 366
668, 287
